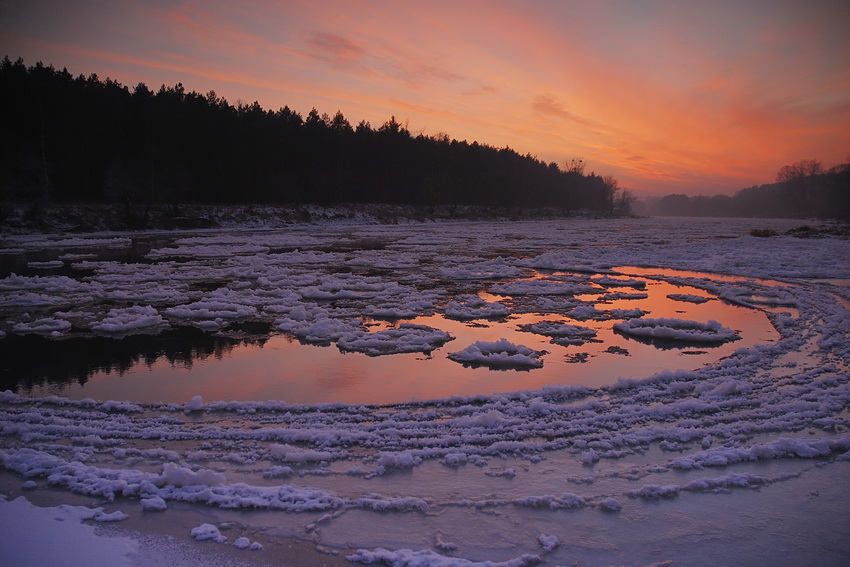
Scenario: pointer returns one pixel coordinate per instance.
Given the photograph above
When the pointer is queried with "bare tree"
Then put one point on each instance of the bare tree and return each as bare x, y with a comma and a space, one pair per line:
799, 170
575, 165
612, 186
623, 201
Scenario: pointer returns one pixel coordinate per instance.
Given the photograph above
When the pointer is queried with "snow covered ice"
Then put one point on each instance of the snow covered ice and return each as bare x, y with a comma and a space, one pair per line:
731, 453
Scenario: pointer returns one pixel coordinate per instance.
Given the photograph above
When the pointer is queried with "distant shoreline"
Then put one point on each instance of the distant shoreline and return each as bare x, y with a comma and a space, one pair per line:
103, 217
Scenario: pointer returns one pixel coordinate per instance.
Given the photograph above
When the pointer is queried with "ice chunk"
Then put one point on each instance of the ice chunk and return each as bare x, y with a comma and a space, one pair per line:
195, 404
429, 558
489, 269
129, 319
557, 329
677, 330
206, 532
688, 297
42, 326
501, 353
467, 307
153, 503
548, 542
407, 337
541, 287
179, 476
241, 542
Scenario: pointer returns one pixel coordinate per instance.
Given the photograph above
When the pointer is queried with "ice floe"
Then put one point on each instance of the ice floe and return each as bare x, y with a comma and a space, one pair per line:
501, 353
677, 330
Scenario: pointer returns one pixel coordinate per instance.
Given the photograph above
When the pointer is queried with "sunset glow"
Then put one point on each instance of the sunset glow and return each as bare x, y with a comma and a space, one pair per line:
685, 97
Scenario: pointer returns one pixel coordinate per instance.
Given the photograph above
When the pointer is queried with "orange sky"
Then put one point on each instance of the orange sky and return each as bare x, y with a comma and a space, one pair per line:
698, 97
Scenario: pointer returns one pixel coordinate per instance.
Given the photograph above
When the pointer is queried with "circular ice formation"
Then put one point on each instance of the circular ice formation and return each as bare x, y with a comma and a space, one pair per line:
677, 330
501, 353
474, 307
407, 337
558, 329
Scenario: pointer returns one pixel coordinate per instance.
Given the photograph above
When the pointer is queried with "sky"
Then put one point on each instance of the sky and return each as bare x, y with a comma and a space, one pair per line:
696, 97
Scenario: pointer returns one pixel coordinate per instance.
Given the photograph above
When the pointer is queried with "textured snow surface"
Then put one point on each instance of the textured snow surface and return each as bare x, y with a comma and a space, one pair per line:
683, 466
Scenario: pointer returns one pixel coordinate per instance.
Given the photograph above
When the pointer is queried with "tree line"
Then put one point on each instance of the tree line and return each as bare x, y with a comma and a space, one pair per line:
803, 189
83, 139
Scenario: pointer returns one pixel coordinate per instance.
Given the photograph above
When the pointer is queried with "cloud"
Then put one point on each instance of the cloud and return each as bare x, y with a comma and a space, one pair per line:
376, 60
335, 48
550, 106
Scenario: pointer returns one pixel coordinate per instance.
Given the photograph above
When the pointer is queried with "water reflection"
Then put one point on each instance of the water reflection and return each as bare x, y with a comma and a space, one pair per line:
31, 362
178, 364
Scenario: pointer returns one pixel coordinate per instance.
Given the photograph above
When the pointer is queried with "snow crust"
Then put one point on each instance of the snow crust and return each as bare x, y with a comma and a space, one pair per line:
552, 474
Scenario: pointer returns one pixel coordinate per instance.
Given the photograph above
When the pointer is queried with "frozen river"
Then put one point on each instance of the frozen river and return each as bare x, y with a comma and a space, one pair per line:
575, 392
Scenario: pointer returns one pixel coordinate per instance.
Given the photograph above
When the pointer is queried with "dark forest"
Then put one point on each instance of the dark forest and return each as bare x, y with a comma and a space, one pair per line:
81, 139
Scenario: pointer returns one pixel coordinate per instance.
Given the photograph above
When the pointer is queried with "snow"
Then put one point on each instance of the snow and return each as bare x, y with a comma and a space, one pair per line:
466, 307
559, 331
208, 532
428, 558
501, 353
195, 404
677, 330
685, 465
541, 287
407, 337
125, 320
44, 325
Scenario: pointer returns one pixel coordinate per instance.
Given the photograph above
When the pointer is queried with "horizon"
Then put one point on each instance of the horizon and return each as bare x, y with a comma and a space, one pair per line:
719, 99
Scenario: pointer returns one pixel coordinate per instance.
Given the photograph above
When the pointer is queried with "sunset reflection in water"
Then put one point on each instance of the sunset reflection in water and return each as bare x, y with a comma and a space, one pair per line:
282, 368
